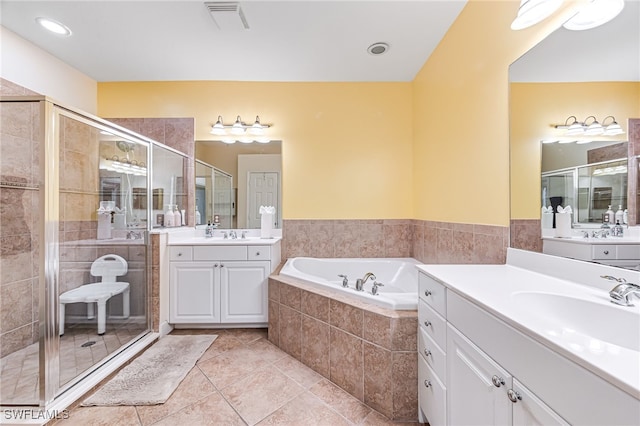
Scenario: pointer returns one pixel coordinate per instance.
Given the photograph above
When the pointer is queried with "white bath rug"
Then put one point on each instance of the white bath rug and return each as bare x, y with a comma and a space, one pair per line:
151, 378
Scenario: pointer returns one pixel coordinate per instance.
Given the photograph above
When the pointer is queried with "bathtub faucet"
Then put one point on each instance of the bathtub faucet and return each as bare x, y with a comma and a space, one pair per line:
345, 280
360, 281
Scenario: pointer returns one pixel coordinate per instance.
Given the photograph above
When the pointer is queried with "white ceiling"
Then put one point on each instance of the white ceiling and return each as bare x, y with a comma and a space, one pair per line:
287, 41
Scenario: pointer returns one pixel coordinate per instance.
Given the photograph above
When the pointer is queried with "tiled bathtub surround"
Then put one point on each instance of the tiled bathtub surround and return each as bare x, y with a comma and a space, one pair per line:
425, 241
368, 351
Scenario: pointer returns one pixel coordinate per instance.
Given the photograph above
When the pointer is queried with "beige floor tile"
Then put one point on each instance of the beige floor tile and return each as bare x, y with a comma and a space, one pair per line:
193, 388
336, 398
223, 343
269, 351
248, 335
297, 371
102, 416
377, 419
261, 393
305, 410
231, 366
212, 410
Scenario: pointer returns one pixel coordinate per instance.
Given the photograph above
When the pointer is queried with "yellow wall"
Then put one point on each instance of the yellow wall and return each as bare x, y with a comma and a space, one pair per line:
535, 107
346, 146
461, 115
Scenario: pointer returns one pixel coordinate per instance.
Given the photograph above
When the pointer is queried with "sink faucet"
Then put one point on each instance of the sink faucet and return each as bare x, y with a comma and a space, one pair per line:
360, 281
621, 294
233, 235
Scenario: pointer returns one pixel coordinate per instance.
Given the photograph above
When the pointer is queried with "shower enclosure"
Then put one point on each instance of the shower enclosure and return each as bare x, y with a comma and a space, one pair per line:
72, 189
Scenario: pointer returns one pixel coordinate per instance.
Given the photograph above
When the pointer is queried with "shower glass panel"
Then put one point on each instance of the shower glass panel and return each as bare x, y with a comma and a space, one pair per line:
223, 204
204, 192
102, 235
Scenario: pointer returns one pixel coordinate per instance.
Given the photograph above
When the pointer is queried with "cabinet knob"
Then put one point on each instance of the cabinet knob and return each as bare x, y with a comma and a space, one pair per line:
606, 252
427, 352
215, 265
427, 293
257, 253
497, 381
427, 323
179, 254
427, 383
513, 396
222, 265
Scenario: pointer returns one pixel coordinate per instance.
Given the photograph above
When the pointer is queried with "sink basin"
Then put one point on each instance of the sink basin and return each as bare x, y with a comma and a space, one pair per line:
593, 320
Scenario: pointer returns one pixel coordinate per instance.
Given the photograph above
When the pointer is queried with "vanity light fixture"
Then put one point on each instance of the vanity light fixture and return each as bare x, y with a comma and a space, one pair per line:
533, 11
573, 127
53, 26
240, 131
594, 14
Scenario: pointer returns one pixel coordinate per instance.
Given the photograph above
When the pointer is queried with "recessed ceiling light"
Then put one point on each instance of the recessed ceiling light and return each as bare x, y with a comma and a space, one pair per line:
54, 26
378, 48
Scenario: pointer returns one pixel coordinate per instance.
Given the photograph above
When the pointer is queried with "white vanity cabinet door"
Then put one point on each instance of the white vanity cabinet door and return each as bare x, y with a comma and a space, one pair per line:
243, 291
195, 293
472, 397
529, 410
432, 395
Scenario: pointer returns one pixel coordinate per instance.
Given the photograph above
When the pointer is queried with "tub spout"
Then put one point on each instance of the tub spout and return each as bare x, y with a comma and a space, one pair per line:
360, 281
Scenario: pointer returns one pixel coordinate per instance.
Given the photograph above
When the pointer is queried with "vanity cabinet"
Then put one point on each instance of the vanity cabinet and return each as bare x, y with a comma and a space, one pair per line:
609, 251
459, 383
220, 284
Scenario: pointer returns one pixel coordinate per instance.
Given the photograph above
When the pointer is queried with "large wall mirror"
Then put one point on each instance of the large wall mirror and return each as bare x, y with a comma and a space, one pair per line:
255, 173
575, 76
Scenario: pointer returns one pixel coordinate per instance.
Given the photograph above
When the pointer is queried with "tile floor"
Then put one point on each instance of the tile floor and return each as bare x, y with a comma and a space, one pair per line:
19, 371
242, 379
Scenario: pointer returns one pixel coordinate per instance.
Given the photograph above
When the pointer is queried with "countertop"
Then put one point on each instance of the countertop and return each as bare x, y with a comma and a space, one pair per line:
195, 237
492, 287
603, 241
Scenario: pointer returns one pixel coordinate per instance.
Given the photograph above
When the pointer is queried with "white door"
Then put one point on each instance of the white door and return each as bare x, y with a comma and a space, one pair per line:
263, 190
528, 410
194, 293
243, 291
472, 396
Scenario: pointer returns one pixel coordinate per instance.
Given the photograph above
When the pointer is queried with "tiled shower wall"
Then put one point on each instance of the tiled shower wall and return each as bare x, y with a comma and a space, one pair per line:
426, 241
20, 184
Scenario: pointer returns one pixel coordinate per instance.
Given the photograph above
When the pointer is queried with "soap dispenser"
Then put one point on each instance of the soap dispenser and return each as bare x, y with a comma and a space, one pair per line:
617, 230
198, 216
609, 216
620, 215
208, 231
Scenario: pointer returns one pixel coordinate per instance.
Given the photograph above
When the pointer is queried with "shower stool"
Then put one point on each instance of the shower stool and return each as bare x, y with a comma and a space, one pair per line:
108, 267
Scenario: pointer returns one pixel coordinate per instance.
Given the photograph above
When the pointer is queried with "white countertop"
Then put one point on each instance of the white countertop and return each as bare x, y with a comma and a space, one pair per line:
605, 241
192, 236
493, 287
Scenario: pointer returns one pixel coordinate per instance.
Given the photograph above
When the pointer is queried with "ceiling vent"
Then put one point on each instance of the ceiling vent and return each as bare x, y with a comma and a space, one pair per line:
227, 15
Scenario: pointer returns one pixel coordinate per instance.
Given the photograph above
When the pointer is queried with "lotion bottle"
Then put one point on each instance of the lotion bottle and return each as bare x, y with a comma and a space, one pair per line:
610, 217
169, 217
620, 215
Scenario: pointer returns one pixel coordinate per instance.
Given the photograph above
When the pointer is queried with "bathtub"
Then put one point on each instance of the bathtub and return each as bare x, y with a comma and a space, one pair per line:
399, 276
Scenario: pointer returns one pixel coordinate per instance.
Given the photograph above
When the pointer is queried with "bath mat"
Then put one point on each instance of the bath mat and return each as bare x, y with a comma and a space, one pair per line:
151, 378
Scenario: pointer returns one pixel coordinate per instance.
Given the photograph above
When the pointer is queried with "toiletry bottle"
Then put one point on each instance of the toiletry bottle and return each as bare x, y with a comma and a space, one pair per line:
625, 217
177, 217
208, 231
609, 216
169, 217
620, 215
617, 230
198, 217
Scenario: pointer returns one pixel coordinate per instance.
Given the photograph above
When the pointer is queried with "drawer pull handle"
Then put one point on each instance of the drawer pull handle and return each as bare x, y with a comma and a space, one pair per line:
513, 396
427, 383
606, 252
257, 253
427, 293
179, 254
427, 323
427, 353
222, 265
215, 266
497, 381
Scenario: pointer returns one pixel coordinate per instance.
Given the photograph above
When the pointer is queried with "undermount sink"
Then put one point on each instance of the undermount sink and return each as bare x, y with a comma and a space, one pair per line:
575, 319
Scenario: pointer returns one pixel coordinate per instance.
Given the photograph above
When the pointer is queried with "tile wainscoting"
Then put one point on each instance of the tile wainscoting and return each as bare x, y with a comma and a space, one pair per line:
425, 241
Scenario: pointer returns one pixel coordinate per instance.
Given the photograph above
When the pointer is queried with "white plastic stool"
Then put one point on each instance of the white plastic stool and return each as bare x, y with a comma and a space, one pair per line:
107, 267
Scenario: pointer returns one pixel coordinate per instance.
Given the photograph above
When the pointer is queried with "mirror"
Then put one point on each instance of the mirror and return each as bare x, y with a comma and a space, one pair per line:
168, 187
255, 174
214, 196
572, 73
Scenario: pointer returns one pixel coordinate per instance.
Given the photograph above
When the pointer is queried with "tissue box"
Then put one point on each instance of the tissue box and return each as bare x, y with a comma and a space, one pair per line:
563, 225
266, 225
547, 220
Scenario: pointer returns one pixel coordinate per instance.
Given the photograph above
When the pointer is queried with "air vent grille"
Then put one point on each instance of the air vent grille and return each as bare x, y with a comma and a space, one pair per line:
227, 15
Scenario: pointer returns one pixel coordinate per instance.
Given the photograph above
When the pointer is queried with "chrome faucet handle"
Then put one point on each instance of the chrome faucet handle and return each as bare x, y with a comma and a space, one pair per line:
345, 280
621, 294
585, 234
612, 278
374, 289
244, 234
359, 284
225, 235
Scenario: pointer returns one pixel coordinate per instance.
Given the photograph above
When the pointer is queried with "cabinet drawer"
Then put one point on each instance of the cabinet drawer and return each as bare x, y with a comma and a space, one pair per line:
431, 352
431, 394
604, 251
628, 252
259, 252
433, 324
180, 253
220, 253
434, 293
